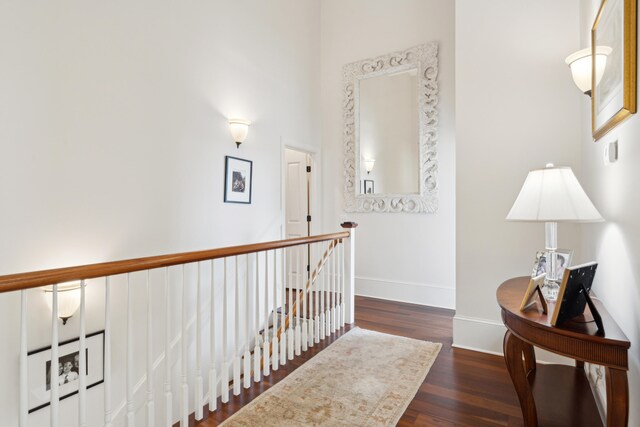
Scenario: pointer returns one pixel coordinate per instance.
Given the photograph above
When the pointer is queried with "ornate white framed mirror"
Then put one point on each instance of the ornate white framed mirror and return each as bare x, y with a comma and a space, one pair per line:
391, 132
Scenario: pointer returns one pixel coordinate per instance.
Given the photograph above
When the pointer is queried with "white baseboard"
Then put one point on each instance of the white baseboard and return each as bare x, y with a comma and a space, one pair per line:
415, 293
486, 336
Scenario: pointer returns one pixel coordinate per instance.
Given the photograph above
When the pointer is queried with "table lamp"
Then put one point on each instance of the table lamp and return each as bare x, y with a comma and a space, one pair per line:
552, 195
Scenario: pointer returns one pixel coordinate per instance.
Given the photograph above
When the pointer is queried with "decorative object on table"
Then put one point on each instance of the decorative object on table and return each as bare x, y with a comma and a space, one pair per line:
581, 66
540, 264
573, 295
552, 195
239, 130
67, 372
534, 288
343, 385
614, 98
368, 186
237, 180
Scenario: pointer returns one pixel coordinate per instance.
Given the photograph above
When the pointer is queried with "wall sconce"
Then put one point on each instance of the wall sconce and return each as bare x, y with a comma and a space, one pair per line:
239, 130
368, 165
68, 299
580, 64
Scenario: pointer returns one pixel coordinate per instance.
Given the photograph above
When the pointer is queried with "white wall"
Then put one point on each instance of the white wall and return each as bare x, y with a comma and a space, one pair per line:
113, 128
398, 256
614, 244
516, 109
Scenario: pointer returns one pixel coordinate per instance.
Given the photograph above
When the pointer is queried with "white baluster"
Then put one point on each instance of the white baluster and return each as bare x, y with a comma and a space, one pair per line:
283, 334
327, 315
311, 282
305, 326
199, 391
323, 280
82, 360
342, 283
150, 402
256, 312
338, 285
236, 337
107, 352
24, 385
130, 407
247, 354
265, 336
274, 342
184, 358
53, 377
290, 334
297, 330
224, 369
333, 288
168, 398
213, 377
316, 319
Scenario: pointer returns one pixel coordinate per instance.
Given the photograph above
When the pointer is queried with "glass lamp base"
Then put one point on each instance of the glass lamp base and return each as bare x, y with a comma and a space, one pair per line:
550, 290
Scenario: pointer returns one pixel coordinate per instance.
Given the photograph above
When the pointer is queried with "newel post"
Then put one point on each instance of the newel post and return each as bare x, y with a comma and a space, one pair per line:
350, 272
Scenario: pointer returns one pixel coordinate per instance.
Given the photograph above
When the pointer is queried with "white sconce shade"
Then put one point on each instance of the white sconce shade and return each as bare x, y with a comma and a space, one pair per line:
553, 194
239, 130
580, 64
68, 299
368, 164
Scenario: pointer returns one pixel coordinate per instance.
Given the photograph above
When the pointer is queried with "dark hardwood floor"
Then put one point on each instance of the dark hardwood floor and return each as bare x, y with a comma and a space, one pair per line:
463, 388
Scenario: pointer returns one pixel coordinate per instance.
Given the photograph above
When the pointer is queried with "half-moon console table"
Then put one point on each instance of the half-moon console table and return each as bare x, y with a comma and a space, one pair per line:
560, 395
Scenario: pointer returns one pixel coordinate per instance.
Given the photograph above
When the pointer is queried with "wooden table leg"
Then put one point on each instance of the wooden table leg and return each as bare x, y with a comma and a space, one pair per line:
529, 358
514, 348
617, 397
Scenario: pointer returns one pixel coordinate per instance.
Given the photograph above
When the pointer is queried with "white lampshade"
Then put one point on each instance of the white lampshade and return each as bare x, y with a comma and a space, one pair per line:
368, 164
553, 194
580, 64
68, 299
239, 129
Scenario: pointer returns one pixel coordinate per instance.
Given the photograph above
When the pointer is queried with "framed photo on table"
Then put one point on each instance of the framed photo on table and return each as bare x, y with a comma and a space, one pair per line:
237, 180
66, 374
541, 262
613, 99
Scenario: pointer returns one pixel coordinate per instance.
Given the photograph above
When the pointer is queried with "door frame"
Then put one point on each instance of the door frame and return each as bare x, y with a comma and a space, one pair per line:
314, 191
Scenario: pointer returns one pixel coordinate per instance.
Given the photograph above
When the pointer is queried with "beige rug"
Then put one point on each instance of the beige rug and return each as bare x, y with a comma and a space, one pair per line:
365, 378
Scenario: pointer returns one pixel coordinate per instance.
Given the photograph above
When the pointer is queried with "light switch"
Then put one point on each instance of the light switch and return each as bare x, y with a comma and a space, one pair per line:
611, 152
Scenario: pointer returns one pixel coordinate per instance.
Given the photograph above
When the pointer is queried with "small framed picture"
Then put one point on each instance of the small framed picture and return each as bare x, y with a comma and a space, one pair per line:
237, 180
541, 263
368, 186
67, 373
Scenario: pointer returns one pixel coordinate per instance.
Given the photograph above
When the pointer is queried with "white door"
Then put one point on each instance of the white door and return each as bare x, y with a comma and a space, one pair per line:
297, 205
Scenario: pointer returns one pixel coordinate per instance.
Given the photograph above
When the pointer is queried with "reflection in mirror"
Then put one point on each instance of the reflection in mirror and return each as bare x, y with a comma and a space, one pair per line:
389, 132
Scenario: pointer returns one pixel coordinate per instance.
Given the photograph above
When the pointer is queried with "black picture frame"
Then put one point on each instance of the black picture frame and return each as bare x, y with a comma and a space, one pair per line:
369, 186
40, 358
573, 295
238, 180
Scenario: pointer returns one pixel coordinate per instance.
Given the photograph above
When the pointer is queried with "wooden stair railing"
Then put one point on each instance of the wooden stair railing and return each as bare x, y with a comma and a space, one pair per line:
330, 281
307, 288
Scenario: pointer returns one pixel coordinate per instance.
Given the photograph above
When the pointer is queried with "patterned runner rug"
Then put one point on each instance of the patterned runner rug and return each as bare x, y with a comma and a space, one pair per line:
365, 378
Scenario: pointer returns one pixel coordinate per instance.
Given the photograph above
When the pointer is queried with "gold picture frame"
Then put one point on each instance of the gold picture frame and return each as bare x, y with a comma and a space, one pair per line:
614, 98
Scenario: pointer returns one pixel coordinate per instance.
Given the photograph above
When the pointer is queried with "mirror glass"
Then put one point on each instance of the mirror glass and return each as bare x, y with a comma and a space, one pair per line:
389, 133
